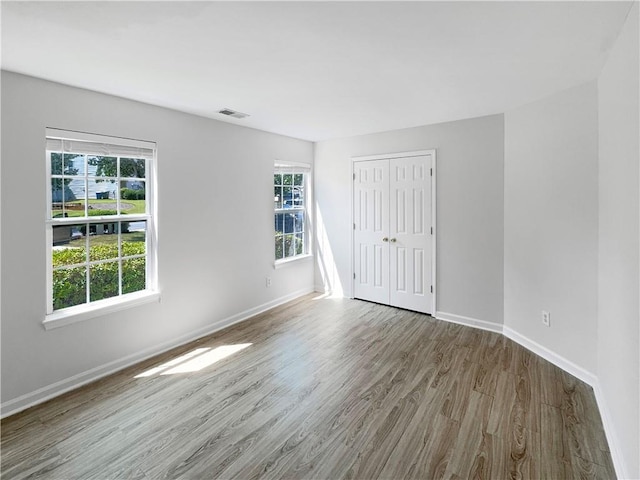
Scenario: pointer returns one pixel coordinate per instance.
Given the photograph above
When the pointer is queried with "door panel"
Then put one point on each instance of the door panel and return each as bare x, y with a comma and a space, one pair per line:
371, 218
410, 195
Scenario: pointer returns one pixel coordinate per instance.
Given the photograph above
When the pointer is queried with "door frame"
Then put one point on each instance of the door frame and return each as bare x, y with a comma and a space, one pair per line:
387, 156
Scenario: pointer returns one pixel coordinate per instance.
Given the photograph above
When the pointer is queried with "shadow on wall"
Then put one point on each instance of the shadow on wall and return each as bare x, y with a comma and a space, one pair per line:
326, 264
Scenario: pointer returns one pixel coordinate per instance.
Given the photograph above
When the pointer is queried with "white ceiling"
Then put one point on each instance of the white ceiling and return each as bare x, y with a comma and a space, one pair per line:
316, 70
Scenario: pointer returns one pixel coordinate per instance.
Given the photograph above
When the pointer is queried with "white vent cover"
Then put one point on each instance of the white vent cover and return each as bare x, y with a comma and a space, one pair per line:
232, 113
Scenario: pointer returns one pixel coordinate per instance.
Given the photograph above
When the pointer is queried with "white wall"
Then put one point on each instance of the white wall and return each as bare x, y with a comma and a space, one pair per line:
469, 210
551, 223
618, 298
215, 228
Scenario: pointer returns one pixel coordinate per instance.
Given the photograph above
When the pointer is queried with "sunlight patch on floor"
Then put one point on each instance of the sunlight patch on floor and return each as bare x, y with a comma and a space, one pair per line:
195, 360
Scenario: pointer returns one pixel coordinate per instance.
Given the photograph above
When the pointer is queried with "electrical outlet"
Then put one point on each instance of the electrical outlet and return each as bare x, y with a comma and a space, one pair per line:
546, 318
268, 282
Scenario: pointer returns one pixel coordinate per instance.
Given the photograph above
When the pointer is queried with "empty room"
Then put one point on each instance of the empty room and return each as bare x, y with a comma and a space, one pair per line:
320, 240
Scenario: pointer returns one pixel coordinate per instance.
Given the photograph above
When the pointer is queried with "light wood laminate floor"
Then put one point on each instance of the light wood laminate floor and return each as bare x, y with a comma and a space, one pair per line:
328, 388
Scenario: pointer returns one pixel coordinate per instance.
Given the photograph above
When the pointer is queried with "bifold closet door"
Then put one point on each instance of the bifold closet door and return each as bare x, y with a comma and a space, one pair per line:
410, 233
371, 225
392, 232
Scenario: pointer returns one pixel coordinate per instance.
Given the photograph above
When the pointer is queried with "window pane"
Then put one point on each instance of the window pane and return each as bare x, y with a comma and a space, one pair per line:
289, 245
289, 222
287, 179
298, 197
102, 166
74, 164
103, 280
298, 221
285, 222
103, 198
298, 179
68, 245
277, 179
57, 197
56, 163
134, 236
69, 287
279, 247
277, 197
132, 196
132, 167
133, 275
287, 197
75, 196
103, 241
67, 197
299, 243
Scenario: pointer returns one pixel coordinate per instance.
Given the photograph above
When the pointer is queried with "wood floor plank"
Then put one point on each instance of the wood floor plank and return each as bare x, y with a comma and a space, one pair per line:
470, 452
556, 457
327, 389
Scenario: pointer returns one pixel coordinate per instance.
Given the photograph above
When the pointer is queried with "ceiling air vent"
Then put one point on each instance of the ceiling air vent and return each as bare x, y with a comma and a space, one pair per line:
232, 113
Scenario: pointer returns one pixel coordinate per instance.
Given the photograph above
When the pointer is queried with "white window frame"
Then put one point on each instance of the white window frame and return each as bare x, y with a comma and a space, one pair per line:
65, 316
305, 170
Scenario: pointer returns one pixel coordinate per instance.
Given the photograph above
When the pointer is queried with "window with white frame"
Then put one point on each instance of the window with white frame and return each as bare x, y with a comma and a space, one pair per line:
290, 189
100, 223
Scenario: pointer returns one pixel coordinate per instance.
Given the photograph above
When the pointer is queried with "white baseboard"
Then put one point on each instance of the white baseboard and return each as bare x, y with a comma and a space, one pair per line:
321, 289
551, 356
469, 321
587, 377
560, 362
58, 388
610, 432
55, 389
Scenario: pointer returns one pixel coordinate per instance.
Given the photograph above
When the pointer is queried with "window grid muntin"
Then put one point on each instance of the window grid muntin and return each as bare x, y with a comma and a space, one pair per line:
51, 221
86, 177
88, 263
298, 181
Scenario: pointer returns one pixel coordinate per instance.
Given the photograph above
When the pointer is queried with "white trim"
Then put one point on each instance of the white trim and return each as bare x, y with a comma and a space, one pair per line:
319, 288
384, 156
58, 318
434, 247
283, 262
71, 315
469, 322
352, 258
610, 432
58, 388
560, 362
588, 378
97, 138
308, 220
136, 217
279, 164
557, 360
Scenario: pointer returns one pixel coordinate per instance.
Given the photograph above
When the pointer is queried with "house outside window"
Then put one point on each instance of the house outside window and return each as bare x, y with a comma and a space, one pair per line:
290, 197
100, 221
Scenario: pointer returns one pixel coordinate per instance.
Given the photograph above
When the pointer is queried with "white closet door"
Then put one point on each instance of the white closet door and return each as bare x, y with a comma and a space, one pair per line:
410, 233
371, 225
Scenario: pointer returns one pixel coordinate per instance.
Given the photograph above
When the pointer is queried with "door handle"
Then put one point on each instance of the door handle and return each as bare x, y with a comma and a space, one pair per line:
393, 240
385, 239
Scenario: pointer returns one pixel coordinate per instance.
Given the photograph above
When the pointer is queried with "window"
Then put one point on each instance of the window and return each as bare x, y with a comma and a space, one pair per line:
100, 224
290, 186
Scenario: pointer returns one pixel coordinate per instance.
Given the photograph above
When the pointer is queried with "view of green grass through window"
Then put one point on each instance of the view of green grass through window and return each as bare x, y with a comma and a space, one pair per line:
99, 226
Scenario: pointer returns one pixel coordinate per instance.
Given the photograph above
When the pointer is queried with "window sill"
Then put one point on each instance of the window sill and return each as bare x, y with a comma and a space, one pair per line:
96, 309
289, 261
